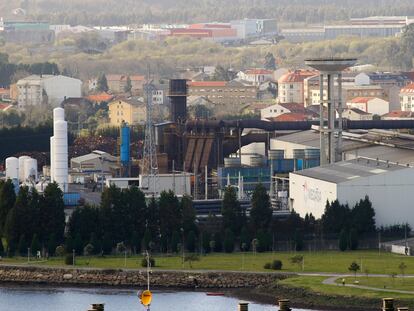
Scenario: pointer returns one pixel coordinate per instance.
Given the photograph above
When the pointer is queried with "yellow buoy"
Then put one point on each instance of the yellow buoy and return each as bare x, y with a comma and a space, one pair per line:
146, 298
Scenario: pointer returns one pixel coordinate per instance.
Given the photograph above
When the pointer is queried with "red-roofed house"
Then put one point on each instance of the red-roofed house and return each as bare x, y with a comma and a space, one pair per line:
407, 98
256, 76
372, 105
290, 86
116, 83
276, 110
291, 117
101, 97
5, 107
398, 114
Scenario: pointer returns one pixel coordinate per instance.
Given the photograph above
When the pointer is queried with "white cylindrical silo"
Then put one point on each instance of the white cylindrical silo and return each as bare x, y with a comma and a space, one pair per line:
21, 168
12, 168
58, 114
52, 151
60, 154
30, 169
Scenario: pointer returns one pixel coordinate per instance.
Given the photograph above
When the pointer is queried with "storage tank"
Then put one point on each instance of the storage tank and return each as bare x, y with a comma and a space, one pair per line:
21, 168
58, 114
276, 154
256, 160
312, 153
125, 144
232, 162
60, 154
298, 153
30, 169
12, 168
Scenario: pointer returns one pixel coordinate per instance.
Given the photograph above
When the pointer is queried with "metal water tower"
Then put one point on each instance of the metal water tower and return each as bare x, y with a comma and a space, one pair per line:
330, 85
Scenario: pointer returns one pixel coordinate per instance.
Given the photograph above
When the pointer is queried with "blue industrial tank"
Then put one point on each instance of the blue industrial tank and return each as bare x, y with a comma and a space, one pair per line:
125, 144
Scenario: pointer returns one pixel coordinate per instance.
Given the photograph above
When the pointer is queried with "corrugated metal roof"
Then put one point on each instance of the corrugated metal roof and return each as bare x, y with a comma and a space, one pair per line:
350, 170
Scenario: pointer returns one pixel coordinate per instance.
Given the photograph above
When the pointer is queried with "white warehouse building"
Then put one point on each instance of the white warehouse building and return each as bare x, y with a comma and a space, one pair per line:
388, 185
35, 90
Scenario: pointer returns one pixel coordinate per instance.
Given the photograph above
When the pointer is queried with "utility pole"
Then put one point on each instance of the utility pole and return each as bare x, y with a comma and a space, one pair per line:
150, 162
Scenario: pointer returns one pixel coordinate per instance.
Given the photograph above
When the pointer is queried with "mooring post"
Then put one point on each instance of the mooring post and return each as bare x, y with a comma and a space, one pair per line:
97, 307
388, 304
243, 306
284, 305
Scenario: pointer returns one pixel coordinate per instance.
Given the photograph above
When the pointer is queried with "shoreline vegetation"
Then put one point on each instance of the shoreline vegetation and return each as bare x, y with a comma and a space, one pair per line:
305, 289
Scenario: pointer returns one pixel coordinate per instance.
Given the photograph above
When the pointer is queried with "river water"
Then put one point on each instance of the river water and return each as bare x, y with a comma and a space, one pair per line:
75, 299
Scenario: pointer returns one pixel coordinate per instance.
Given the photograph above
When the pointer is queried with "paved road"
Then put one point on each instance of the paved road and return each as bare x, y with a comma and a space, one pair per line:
332, 281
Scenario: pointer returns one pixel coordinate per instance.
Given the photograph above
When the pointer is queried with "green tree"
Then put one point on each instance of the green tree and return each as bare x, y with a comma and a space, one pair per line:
191, 242
335, 218
97, 244
78, 244
22, 246
69, 244
223, 74
35, 246
102, 83
218, 242
107, 244
1, 247
52, 215
7, 199
188, 215
298, 238
136, 243
270, 61
128, 85
229, 241
407, 47
261, 212
51, 245
353, 239
343, 241
363, 217
233, 216
206, 238
354, 267
264, 240
170, 213
146, 240
245, 239
175, 240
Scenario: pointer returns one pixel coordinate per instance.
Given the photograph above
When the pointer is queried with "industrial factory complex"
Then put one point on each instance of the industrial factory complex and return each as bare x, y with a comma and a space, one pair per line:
302, 163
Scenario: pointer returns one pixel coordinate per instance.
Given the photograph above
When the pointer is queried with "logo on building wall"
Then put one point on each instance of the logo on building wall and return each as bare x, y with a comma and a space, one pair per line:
311, 194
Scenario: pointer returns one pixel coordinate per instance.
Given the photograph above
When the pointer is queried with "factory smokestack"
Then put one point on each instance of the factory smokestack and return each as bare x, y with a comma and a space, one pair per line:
178, 99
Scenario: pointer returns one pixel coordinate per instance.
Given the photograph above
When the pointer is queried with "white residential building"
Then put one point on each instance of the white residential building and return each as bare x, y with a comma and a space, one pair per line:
276, 110
355, 114
407, 98
256, 76
39, 89
371, 105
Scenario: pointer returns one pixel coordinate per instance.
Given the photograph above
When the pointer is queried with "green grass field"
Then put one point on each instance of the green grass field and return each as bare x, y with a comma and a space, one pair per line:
328, 261
314, 284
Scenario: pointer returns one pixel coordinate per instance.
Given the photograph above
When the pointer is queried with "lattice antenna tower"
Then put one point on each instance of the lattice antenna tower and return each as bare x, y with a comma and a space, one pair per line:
150, 163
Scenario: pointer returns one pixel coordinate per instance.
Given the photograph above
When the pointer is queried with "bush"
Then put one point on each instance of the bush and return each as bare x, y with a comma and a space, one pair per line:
267, 265
60, 251
69, 259
277, 264
144, 262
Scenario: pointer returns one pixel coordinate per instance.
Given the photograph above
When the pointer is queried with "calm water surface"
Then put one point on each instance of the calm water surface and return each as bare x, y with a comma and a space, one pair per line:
71, 299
